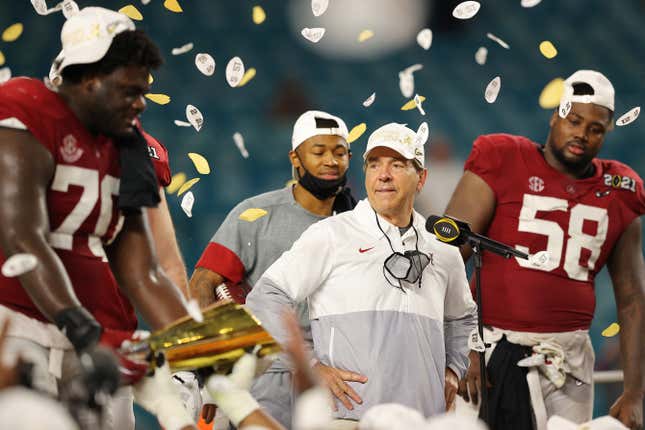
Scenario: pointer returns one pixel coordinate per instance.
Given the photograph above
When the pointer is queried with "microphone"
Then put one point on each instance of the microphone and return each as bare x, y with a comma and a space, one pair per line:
456, 232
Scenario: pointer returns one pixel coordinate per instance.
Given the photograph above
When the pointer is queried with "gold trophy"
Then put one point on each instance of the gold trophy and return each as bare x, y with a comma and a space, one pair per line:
227, 331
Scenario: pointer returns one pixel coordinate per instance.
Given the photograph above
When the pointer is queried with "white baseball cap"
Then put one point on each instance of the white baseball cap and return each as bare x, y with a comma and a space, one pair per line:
316, 123
86, 37
603, 90
399, 138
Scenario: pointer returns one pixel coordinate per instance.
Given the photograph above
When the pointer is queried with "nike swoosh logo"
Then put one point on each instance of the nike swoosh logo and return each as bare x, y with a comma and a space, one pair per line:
362, 250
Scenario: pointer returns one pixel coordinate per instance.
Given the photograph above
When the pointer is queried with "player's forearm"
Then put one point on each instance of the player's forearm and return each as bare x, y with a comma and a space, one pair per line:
176, 272
202, 286
631, 317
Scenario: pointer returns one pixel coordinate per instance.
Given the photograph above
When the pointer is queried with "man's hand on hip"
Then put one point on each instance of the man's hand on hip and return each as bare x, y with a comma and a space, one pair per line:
335, 380
450, 390
628, 409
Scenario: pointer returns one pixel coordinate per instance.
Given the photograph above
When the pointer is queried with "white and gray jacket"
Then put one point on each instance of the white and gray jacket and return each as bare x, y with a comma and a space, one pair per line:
401, 340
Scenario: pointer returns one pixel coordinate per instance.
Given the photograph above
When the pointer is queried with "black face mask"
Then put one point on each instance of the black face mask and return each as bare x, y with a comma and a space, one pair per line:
322, 189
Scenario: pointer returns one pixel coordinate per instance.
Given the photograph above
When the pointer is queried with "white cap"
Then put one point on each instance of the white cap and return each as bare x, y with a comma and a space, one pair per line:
399, 138
391, 416
309, 124
603, 423
603, 89
86, 37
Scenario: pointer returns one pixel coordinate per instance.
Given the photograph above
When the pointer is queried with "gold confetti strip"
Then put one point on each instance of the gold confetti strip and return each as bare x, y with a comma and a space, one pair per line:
551, 94
186, 186
176, 181
201, 163
252, 214
411, 104
248, 75
2, 59
161, 99
364, 35
12, 32
173, 6
258, 15
356, 132
132, 12
150, 79
612, 330
548, 50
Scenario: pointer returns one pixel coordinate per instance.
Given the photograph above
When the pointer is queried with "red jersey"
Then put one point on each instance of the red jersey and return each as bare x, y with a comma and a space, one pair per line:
537, 208
81, 200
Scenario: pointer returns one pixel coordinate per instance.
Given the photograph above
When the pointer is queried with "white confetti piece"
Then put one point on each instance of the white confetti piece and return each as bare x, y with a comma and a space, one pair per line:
182, 49
41, 7
205, 63
501, 43
313, 34
466, 10
179, 123
406, 84
422, 134
70, 8
481, 55
239, 142
145, 2
195, 117
5, 74
417, 102
629, 117
193, 310
368, 101
187, 203
539, 259
318, 7
413, 68
424, 38
234, 71
492, 89
565, 101
19, 264
530, 3
475, 341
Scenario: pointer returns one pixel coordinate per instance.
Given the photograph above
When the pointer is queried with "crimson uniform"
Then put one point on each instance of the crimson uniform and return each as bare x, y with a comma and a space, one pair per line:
81, 200
537, 208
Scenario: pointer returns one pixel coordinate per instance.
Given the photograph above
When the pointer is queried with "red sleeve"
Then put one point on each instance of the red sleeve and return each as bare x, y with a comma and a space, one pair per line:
220, 259
159, 155
485, 159
634, 200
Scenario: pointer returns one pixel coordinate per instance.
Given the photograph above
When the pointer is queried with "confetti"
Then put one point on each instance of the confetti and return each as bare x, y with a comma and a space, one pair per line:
313, 34
192, 307
40, 6
239, 142
259, 16
364, 35
356, 132
413, 68
248, 75
548, 50
252, 214
195, 117
411, 104
70, 8
2, 59
530, 3
368, 102
186, 186
176, 181
499, 41
492, 89
201, 163
466, 10
5, 74
417, 103
406, 80
173, 6
150, 79
565, 102
629, 117
551, 94
422, 133
187, 203
539, 259
205, 63
612, 330
12, 32
145, 2
182, 49
19, 264
481, 55
234, 71
424, 38
475, 341
179, 123
131, 12
318, 7
161, 99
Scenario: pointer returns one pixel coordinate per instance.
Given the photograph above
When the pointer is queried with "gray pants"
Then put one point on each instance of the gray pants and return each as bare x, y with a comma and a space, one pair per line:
274, 393
574, 401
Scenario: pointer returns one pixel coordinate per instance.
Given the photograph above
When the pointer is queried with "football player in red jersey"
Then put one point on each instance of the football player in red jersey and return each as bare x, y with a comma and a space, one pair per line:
75, 175
585, 212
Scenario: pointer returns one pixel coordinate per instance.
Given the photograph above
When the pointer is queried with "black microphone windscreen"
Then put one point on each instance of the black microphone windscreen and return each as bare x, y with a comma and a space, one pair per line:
432, 219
